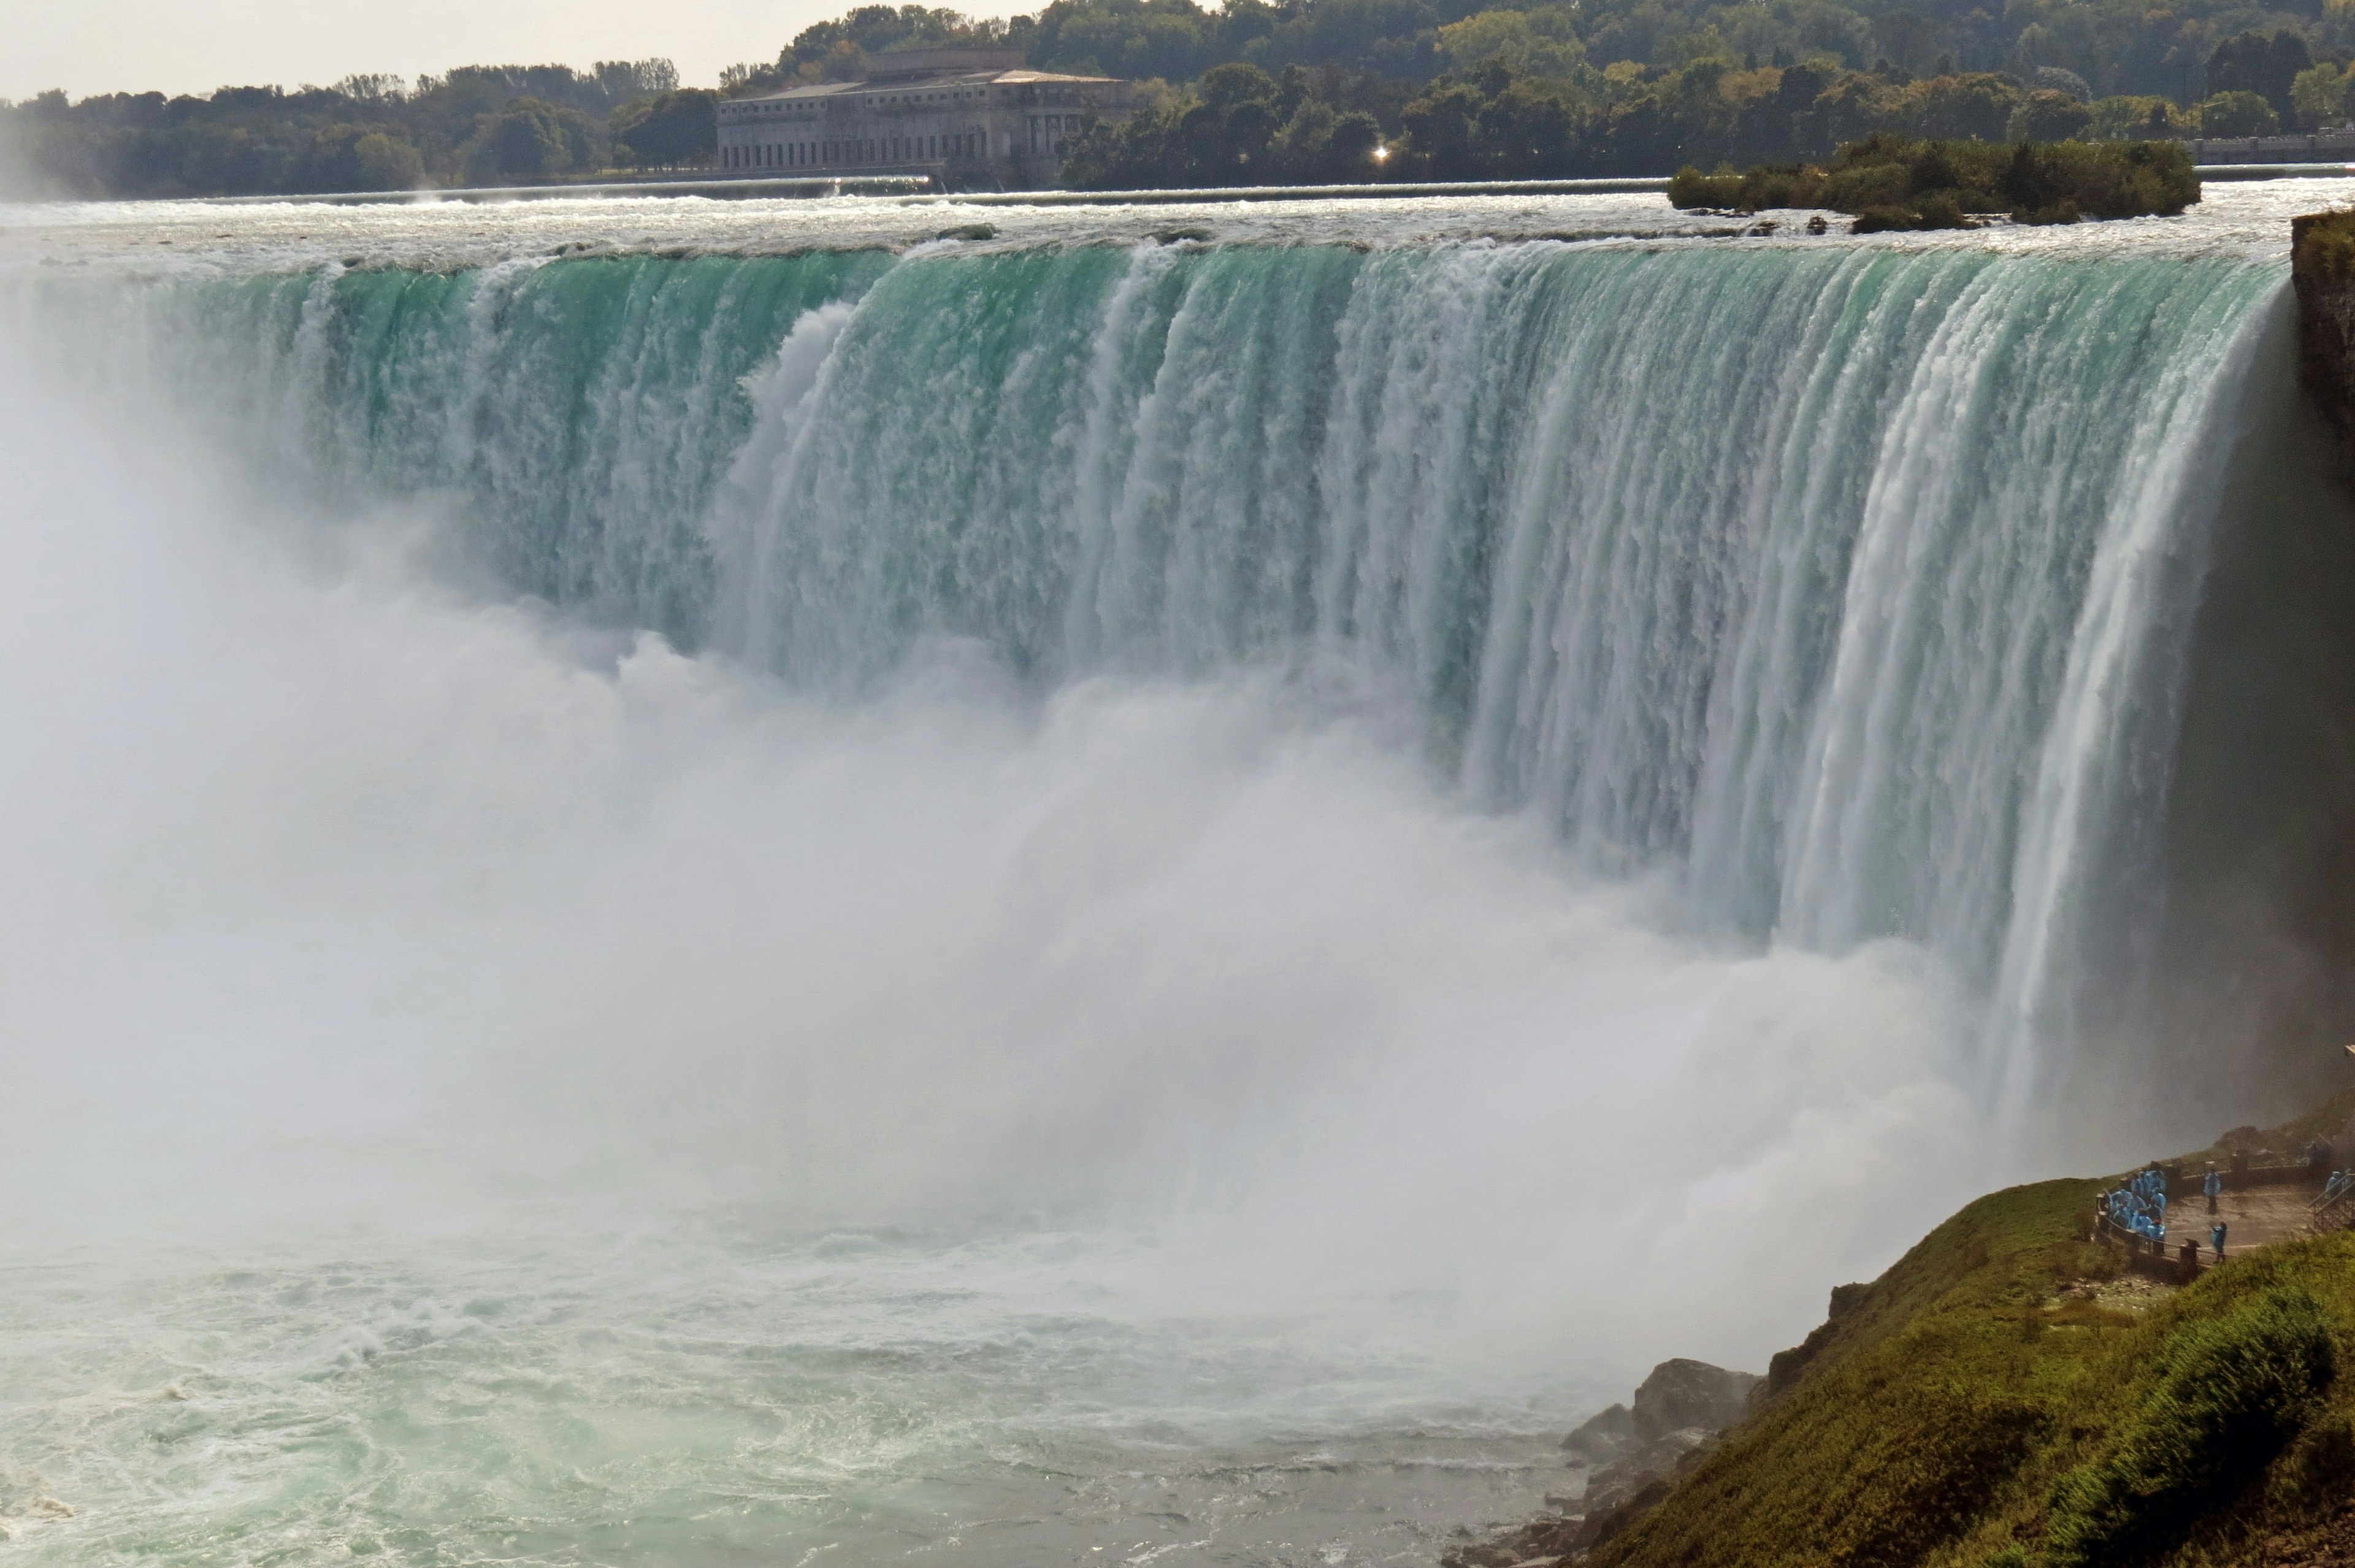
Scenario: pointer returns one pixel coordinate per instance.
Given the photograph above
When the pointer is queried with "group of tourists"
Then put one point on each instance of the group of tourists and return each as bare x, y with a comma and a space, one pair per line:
2139, 1208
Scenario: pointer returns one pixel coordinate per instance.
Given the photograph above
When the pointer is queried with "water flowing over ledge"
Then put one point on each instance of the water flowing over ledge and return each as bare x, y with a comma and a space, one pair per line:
1851, 584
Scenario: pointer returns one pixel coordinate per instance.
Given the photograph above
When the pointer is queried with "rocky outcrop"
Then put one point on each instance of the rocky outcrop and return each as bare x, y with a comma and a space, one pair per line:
1680, 1396
1629, 1453
1784, 1367
2322, 269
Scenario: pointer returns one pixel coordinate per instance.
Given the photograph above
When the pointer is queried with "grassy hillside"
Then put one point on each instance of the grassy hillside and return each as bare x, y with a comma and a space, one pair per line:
2001, 1397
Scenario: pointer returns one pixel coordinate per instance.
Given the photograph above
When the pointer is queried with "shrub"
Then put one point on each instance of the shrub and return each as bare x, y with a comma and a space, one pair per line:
2325, 248
2229, 1392
1882, 220
1858, 189
1940, 210
2062, 211
1690, 189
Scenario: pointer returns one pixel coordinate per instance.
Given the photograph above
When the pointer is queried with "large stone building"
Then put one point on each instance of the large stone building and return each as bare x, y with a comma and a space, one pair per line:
969, 118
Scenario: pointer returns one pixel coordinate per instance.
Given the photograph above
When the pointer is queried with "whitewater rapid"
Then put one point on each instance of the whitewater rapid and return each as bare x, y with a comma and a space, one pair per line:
717, 879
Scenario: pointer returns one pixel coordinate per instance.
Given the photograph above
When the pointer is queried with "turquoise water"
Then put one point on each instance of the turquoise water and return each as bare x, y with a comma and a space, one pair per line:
1785, 570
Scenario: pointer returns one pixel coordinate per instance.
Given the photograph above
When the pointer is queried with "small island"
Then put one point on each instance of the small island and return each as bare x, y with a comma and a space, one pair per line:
1890, 182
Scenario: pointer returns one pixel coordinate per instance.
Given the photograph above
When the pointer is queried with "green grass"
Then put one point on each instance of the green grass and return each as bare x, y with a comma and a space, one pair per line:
2231, 1390
1958, 1415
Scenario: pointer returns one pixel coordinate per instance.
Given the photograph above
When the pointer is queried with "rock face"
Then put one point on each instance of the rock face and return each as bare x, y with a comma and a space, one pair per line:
2326, 323
1603, 1438
1680, 1396
1628, 1451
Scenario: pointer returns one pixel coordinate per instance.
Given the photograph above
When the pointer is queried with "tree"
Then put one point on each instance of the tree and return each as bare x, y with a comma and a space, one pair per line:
2237, 114
361, 157
2251, 63
2137, 119
531, 138
1541, 42
665, 130
2319, 94
386, 163
2049, 117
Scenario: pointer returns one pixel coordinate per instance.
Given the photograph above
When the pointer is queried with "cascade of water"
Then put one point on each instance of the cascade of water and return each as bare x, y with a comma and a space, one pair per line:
1827, 578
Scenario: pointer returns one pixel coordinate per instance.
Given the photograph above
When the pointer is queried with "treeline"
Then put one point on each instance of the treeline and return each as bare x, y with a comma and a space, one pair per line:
1327, 90
478, 125
1261, 91
1501, 118
2181, 50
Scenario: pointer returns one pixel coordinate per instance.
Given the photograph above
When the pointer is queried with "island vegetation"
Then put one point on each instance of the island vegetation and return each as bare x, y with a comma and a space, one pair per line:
1258, 91
1891, 182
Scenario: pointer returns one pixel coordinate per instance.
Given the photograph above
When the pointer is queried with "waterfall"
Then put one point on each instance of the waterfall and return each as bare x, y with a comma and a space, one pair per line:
1844, 585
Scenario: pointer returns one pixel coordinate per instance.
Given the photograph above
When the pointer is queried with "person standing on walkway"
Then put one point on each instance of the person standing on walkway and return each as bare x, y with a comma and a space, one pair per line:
2212, 1186
2216, 1239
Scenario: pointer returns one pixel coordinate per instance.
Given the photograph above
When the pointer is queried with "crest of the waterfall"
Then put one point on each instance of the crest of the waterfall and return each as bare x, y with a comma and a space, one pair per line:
1829, 583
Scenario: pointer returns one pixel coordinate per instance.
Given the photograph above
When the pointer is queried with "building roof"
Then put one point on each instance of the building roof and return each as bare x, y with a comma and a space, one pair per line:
960, 74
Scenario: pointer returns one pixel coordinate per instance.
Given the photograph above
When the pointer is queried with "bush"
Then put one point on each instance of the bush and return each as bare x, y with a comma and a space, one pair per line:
2325, 248
1690, 189
1882, 220
1861, 187
2062, 211
2230, 1390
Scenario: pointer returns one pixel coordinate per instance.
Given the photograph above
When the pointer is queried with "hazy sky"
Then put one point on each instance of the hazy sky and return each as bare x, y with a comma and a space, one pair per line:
105, 46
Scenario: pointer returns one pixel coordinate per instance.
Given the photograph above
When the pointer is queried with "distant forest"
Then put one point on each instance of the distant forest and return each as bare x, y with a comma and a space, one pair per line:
1306, 90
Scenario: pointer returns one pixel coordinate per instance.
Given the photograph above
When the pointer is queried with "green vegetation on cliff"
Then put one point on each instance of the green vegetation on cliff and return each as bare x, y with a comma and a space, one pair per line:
2325, 247
1888, 182
2000, 1397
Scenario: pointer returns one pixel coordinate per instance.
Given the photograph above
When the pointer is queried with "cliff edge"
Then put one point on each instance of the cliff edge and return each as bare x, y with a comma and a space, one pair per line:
2016, 1394
2322, 270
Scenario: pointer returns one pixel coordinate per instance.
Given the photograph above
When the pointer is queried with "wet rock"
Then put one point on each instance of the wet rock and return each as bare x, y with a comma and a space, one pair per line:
1681, 1394
1603, 1437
